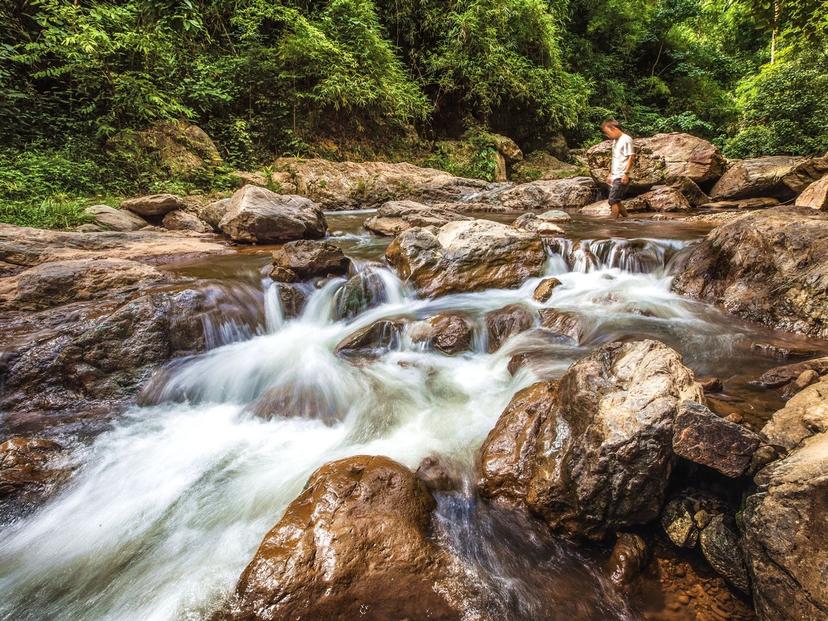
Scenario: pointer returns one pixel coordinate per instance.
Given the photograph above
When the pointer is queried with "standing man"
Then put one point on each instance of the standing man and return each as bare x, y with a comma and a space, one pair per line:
623, 156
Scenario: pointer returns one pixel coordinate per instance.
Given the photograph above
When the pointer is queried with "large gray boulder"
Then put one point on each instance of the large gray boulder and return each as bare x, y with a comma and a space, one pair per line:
153, 205
256, 214
663, 158
469, 255
113, 219
783, 524
551, 194
592, 453
768, 266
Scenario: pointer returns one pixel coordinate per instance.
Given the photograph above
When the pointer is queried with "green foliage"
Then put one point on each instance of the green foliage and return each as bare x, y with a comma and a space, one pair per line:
784, 110
58, 212
475, 156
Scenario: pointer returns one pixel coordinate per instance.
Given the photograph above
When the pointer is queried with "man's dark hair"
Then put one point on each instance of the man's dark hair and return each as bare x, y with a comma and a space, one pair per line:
611, 123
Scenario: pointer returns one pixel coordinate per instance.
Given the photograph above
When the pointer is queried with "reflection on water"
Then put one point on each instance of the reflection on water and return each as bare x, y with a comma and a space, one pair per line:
170, 505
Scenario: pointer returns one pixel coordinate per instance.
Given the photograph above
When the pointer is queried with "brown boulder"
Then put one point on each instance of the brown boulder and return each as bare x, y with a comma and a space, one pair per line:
743, 203
352, 185
256, 214
380, 335
815, 196
449, 333
661, 159
353, 545
306, 258
704, 438
153, 205
779, 376
552, 194
506, 322
179, 220
27, 473
562, 323
544, 289
761, 176
665, 198
784, 532
59, 282
466, 256
593, 452
394, 217
768, 266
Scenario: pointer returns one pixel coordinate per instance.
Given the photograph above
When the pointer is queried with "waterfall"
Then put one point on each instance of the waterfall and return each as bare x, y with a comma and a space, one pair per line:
638, 256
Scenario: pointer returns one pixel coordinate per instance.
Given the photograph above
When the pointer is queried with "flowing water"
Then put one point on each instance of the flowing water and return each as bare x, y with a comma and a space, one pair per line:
167, 507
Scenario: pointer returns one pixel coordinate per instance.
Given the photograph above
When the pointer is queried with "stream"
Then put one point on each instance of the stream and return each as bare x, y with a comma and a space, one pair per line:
169, 505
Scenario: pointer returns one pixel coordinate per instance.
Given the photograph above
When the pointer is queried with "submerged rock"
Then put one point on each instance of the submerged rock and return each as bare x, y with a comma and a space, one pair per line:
768, 266
353, 545
535, 224
628, 558
779, 376
593, 452
394, 217
466, 256
380, 335
364, 290
256, 214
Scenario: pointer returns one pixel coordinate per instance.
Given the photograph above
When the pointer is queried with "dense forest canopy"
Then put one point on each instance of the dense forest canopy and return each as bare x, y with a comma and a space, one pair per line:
268, 77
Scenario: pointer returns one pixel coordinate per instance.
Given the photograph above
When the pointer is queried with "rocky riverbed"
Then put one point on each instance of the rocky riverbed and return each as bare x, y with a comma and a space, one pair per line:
473, 402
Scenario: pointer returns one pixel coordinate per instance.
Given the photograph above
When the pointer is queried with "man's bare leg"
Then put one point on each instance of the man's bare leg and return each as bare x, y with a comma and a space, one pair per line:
618, 210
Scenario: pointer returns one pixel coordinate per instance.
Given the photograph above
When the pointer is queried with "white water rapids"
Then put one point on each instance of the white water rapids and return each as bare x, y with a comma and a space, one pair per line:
168, 507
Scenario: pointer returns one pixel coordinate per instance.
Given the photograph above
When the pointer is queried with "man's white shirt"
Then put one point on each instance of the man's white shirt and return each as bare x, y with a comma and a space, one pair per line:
622, 149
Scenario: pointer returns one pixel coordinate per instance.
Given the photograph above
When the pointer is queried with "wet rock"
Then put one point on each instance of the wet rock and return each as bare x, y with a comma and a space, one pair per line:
607, 425
110, 219
710, 384
258, 215
107, 356
362, 291
779, 376
662, 158
449, 333
352, 185
744, 203
761, 176
437, 475
292, 299
506, 322
353, 545
603, 209
805, 379
380, 335
704, 438
544, 289
178, 220
59, 282
28, 472
628, 558
307, 258
153, 205
720, 546
685, 515
556, 193
783, 527
394, 217
281, 274
533, 223
785, 351
768, 266
290, 401
815, 196
664, 199
466, 256
562, 323
24, 247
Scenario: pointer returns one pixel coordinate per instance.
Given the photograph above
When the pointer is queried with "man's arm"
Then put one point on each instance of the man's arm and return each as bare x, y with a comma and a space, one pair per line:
630, 161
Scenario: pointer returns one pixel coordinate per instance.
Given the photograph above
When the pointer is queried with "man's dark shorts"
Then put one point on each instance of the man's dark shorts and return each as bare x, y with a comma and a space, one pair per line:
617, 192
